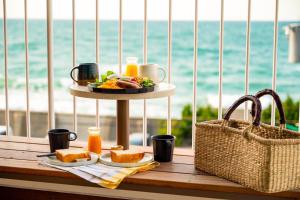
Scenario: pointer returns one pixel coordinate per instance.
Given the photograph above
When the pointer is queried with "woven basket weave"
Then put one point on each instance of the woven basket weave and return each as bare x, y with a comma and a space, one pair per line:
259, 156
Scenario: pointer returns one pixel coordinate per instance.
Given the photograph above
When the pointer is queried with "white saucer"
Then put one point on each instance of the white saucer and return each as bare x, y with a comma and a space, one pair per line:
106, 159
53, 161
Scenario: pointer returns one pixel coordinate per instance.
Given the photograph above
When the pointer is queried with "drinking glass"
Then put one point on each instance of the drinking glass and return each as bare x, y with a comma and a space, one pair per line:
94, 140
132, 66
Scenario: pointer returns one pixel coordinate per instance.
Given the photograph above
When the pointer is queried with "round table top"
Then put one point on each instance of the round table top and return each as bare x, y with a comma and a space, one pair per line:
161, 90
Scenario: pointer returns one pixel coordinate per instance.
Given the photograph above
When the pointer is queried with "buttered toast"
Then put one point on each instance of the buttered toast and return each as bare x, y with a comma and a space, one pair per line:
70, 155
126, 156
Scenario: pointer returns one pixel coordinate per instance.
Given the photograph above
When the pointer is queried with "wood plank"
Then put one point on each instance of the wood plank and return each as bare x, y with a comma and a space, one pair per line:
21, 194
32, 147
44, 141
164, 167
154, 178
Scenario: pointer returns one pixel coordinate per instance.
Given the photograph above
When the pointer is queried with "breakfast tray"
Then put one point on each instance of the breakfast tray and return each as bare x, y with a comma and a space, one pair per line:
256, 155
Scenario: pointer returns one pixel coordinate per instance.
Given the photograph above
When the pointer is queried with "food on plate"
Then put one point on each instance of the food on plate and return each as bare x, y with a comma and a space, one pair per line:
71, 155
128, 84
111, 80
110, 84
146, 82
107, 74
126, 156
117, 147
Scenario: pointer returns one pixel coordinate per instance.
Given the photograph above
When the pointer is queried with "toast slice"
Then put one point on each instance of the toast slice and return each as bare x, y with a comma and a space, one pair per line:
70, 155
126, 156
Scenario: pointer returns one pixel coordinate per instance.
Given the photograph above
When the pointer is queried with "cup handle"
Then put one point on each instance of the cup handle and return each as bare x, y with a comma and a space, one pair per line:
164, 74
71, 74
74, 136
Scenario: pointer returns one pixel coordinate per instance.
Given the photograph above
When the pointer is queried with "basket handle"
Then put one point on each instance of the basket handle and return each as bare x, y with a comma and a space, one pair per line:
277, 101
257, 108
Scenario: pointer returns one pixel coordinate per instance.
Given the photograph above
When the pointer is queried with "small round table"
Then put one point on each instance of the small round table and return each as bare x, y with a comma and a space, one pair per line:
161, 90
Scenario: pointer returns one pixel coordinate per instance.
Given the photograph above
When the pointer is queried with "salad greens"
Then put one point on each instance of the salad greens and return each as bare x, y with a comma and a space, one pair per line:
104, 76
147, 83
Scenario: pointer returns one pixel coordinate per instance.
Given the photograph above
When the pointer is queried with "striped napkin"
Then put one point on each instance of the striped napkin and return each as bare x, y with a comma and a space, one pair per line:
103, 175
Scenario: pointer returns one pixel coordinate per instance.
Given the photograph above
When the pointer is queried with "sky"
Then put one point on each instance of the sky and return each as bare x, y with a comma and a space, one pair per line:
262, 10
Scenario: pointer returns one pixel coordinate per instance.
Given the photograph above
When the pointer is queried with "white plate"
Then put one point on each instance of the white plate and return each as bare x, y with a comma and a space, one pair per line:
106, 159
53, 161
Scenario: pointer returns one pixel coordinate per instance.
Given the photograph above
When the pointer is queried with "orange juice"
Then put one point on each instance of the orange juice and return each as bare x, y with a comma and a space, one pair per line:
132, 70
94, 140
131, 67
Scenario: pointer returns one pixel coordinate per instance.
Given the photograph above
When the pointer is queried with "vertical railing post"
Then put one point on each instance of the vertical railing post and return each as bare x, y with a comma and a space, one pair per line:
221, 36
145, 61
169, 120
97, 58
120, 36
248, 31
5, 68
28, 125
74, 61
299, 118
51, 116
274, 75
195, 74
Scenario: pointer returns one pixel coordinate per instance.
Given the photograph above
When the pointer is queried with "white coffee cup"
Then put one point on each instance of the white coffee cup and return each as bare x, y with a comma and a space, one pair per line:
152, 71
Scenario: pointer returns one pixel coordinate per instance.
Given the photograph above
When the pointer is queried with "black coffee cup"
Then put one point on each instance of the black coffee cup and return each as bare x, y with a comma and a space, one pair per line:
163, 147
60, 138
87, 73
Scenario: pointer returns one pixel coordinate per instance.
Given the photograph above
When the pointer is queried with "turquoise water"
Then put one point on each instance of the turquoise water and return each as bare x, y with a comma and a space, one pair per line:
182, 57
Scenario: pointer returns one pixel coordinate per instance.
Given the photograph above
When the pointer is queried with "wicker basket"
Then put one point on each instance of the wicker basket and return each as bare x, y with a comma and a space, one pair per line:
259, 156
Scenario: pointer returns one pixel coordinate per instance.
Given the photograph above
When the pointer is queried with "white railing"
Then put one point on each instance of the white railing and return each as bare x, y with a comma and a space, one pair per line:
248, 30
74, 52
195, 75
5, 68
51, 116
274, 76
145, 129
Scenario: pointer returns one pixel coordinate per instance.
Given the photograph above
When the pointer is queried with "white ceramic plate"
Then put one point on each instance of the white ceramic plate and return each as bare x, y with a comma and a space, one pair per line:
105, 159
53, 161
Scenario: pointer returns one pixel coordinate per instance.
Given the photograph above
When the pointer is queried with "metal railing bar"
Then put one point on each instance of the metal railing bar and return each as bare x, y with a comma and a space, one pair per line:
221, 36
145, 61
74, 61
51, 115
120, 35
169, 120
28, 125
97, 57
248, 31
195, 74
274, 75
5, 68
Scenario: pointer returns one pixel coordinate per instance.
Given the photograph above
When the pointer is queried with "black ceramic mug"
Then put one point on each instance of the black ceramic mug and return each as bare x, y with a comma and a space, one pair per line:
86, 73
60, 138
163, 147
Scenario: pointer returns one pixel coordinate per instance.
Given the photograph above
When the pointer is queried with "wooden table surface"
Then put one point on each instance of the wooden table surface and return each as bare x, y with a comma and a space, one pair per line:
160, 91
18, 156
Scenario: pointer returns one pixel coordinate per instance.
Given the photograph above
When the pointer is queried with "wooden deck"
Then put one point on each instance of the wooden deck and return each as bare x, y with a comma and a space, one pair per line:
19, 168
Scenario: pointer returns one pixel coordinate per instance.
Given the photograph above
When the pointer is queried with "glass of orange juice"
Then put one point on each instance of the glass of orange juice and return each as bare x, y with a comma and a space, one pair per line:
131, 66
94, 140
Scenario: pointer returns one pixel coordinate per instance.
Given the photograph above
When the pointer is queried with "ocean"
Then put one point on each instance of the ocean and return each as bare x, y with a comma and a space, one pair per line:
261, 61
